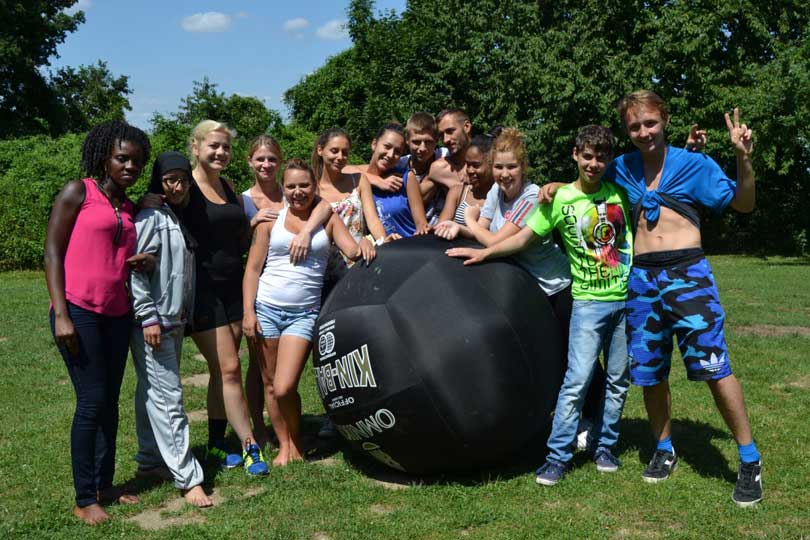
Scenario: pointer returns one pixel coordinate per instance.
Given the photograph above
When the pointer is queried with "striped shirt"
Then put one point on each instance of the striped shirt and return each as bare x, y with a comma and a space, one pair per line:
542, 259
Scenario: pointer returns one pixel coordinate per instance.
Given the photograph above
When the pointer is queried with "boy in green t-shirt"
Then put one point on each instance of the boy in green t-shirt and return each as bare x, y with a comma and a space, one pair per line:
592, 219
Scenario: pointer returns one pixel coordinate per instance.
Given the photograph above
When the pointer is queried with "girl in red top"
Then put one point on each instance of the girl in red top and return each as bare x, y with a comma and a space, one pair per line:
88, 253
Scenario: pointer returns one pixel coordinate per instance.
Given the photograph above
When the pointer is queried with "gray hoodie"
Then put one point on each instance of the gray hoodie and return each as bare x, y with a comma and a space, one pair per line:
166, 296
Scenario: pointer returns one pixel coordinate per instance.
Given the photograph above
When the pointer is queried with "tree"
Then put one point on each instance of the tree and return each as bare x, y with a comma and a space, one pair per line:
248, 116
551, 67
88, 95
29, 35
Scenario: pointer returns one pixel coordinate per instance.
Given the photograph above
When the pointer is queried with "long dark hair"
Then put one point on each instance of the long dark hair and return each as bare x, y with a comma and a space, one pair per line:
97, 146
325, 137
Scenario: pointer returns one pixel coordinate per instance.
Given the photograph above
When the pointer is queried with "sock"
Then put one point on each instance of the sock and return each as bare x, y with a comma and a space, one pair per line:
216, 430
665, 444
749, 452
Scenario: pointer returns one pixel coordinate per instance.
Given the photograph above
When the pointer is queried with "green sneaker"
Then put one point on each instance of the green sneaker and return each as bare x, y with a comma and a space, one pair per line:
255, 465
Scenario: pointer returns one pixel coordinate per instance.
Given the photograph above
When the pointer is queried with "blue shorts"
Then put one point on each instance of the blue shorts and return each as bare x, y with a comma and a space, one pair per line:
674, 293
276, 322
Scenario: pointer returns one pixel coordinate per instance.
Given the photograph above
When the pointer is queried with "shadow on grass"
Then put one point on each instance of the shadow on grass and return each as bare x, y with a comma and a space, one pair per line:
693, 443
804, 261
315, 449
521, 463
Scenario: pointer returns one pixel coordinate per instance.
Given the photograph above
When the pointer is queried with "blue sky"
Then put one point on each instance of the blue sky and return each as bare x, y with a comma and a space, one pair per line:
249, 47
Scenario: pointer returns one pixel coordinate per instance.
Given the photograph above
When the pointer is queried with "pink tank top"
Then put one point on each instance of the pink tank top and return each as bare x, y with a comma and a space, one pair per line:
95, 268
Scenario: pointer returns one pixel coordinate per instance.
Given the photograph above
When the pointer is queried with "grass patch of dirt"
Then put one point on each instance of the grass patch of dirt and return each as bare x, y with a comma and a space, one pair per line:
198, 416
772, 330
381, 509
200, 380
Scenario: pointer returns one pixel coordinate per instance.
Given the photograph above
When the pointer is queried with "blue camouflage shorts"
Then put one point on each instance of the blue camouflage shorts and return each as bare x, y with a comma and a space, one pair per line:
670, 293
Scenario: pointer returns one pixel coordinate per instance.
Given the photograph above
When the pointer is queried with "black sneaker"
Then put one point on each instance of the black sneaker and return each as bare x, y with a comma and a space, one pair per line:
660, 467
748, 490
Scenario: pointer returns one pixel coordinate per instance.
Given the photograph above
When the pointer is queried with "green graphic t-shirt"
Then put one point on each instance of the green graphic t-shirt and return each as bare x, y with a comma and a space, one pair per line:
598, 239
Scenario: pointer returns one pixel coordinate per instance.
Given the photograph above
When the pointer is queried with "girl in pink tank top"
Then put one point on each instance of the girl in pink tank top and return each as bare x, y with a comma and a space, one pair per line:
88, 250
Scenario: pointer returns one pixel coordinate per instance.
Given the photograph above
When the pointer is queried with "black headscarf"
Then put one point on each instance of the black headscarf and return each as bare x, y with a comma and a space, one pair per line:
165, 162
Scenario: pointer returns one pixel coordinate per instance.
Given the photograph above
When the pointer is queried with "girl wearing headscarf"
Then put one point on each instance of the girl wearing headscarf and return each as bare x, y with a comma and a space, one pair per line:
162, 303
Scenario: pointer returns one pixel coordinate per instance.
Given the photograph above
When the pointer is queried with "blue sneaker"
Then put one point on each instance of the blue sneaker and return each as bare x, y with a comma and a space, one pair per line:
255, 465
605, 460
216, 453
550, 473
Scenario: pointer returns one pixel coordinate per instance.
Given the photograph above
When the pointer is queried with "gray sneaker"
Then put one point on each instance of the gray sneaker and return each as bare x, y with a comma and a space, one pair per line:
748, 490
550, 473
660, 467
605, 460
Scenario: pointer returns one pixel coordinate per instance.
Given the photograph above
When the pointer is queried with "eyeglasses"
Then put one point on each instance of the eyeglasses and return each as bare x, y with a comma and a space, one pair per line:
174, 181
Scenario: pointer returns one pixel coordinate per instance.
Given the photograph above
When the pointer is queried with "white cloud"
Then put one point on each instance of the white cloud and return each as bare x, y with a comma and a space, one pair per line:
81, 5
299, 23
211, 21
334, 29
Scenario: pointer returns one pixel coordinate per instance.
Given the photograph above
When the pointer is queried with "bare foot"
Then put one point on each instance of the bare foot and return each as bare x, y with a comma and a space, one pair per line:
116, 494
197, 497
91, 515
281, 461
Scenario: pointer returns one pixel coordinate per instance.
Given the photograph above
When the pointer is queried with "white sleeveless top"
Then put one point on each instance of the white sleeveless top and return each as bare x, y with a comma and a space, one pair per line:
248, 204
288, 286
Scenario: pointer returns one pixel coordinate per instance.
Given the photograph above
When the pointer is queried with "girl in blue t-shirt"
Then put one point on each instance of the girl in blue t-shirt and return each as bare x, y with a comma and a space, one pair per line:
386, 213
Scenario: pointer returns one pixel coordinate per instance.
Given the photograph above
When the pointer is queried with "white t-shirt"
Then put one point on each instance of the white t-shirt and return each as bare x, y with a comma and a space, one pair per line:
543, 258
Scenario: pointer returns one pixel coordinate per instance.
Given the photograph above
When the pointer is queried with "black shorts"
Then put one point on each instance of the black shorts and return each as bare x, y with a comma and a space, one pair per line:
216, 303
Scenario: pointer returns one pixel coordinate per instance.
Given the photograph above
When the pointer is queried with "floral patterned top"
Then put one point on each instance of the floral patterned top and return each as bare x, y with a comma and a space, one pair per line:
350, 211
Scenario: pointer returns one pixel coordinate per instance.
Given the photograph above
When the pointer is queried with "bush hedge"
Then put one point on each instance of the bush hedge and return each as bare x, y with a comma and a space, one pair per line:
34, 169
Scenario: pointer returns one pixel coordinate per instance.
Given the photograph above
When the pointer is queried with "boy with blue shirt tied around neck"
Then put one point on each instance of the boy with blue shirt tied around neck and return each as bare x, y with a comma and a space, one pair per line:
593, 221
671, 289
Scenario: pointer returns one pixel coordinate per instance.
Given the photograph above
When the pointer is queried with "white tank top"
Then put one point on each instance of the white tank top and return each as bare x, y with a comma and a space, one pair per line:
287, 286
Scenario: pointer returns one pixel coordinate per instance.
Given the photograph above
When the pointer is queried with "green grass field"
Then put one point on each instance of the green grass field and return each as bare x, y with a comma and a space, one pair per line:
341, 495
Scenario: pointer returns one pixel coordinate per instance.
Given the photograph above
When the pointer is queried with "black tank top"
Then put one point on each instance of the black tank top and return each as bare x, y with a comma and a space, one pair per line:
220, 231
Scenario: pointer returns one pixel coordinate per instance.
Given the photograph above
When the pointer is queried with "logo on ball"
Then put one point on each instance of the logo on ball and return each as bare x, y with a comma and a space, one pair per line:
326, 343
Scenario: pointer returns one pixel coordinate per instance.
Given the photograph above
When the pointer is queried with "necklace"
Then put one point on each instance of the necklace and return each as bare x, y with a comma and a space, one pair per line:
120, 223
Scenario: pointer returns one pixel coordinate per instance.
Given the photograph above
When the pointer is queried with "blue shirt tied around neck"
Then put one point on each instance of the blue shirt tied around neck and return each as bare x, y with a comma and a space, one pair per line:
690, 178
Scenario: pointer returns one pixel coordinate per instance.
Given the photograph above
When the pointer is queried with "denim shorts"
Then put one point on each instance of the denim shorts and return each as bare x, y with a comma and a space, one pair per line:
276, 322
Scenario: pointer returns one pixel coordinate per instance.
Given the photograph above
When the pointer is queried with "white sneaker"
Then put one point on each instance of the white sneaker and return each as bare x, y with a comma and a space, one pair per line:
328, 430
584, 434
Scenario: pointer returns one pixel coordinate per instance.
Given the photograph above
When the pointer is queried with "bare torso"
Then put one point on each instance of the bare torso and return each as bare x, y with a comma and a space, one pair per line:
671, 231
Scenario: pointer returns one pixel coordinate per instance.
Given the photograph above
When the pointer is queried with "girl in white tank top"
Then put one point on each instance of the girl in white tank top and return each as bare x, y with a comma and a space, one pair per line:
287, 296
294, 287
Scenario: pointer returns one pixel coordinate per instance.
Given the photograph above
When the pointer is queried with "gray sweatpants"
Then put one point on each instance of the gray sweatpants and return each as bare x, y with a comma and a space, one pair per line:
161, 423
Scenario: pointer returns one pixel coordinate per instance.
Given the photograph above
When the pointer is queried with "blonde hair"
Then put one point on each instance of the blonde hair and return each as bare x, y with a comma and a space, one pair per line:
201, 131
264, 141
643, 99
511, 140
421, 122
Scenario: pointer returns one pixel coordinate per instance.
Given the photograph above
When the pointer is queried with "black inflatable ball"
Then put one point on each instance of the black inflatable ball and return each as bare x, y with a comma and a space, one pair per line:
429, 365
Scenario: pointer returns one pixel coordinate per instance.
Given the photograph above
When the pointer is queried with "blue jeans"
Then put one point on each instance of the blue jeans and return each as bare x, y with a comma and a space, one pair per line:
96, 373
595, 326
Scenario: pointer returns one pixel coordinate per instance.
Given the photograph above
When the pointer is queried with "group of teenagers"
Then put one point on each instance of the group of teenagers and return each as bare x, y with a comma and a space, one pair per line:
632, 274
